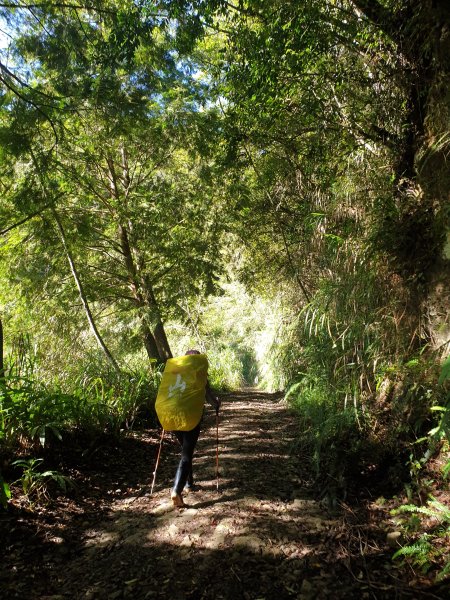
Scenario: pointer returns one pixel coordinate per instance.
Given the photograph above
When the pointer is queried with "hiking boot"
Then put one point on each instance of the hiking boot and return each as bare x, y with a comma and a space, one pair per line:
177, 500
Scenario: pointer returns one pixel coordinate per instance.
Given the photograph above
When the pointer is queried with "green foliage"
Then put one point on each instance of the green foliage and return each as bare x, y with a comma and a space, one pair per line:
430, 549
226, 370
441, 432
438, 437
434, 509
445, 372
235, 329
420, 553
32, 411
5, 492
330, 432
36, 483
131, 181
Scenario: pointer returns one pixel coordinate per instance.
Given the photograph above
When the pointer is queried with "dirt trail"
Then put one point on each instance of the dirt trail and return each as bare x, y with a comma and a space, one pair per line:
261, 537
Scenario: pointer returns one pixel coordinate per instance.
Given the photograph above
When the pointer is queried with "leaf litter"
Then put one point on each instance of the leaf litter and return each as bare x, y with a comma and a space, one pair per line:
264, 536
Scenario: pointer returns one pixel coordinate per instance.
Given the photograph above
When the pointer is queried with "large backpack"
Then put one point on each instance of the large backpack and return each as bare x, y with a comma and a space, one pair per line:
181, 395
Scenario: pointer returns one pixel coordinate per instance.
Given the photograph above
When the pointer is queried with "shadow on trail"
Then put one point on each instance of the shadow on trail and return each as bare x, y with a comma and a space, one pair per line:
167, 571
253, 394
38, 542
256, 435
261, 538
126, 560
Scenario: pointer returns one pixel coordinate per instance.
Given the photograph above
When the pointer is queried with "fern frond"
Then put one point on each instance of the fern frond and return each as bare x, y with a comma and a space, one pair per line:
434, 509
419, 549
445, 572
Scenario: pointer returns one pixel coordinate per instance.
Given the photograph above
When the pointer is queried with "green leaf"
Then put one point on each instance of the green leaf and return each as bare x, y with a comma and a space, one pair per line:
5, 492
445, 371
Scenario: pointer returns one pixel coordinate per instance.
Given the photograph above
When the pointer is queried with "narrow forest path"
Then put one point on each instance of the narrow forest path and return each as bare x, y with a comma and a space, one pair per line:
261, 537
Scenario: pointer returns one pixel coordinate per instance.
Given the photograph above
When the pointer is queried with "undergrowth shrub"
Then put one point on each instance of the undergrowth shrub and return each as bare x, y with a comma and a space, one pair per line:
331, 433
32, 412
359, 375
426, 524
225, 368
430, 546
412, 413
36, 483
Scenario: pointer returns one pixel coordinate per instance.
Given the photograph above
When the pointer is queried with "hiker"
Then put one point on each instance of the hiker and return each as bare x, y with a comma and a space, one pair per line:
179, 406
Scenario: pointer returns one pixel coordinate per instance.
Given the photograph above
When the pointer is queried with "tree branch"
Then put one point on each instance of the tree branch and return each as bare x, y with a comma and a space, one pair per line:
25, 219
57, 5
389, 22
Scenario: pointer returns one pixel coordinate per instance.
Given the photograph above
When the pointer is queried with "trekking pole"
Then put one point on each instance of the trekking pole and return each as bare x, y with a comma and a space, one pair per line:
217, 451
157, 461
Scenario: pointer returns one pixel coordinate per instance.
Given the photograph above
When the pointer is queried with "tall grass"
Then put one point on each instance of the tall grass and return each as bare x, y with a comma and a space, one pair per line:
355, 375
331, 431
33, 412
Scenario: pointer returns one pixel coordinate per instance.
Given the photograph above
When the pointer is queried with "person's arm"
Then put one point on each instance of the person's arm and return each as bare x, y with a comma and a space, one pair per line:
212, 399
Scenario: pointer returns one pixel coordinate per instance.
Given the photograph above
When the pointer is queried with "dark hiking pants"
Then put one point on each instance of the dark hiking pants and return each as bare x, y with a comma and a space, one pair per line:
188, 440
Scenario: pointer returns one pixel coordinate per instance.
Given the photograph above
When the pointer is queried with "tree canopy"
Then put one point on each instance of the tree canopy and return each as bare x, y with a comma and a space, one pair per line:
267, 180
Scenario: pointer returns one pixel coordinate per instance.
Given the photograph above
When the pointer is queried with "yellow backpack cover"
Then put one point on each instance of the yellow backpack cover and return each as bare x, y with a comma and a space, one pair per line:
181, 394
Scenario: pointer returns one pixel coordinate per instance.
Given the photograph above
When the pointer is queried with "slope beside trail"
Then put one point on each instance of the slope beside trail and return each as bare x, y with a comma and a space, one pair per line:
262, 537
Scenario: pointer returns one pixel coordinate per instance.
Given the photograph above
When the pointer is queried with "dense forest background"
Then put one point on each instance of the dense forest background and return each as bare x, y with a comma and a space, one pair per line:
267, 181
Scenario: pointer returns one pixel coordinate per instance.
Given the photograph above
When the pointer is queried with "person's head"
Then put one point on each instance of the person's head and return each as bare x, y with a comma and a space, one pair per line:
192, 352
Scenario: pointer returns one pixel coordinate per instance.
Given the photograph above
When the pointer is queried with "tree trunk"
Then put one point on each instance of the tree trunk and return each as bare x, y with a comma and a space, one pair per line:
433, 171
152, 327
149, 342
422, 32
162, 341
82, 294
158, 331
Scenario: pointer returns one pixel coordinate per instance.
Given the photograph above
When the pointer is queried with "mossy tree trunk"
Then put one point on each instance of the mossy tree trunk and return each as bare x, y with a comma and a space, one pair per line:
421, 30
